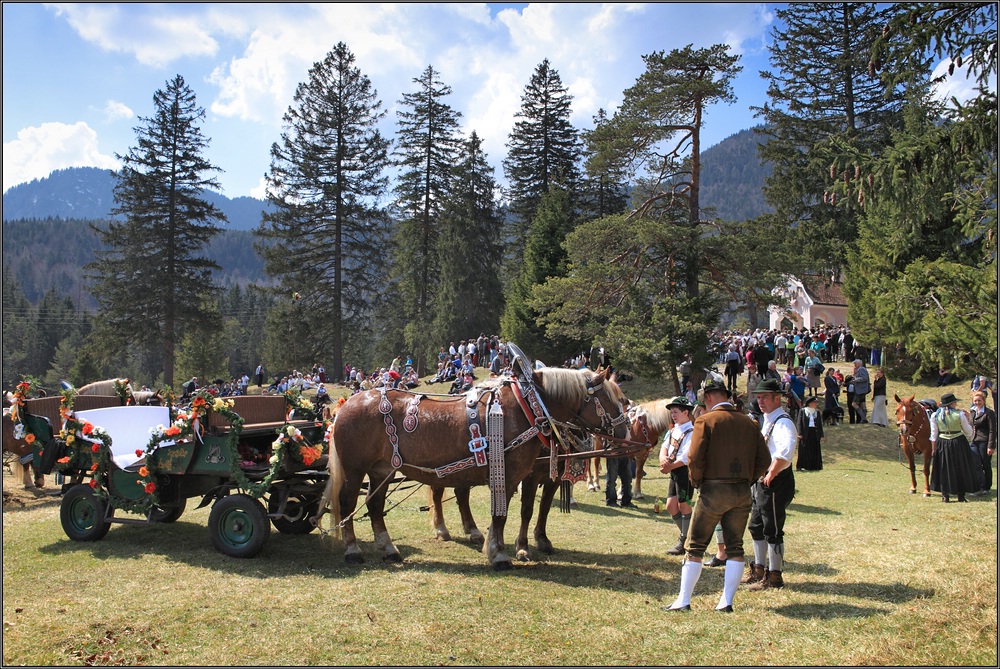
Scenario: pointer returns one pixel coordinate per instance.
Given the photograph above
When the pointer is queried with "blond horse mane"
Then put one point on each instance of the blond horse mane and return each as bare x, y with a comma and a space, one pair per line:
657, 415
106, 387
570, 385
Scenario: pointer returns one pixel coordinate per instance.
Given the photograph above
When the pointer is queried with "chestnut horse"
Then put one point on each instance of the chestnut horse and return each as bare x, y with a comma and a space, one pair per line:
20, 449
364, 441
914, 435
647, 423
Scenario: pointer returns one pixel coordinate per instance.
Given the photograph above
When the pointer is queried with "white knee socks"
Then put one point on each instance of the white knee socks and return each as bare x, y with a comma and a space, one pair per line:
690, 573
775, 556
760, 552
734, 572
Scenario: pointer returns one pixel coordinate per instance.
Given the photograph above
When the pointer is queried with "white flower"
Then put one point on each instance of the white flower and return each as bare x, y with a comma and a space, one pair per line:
273, 460
19, 431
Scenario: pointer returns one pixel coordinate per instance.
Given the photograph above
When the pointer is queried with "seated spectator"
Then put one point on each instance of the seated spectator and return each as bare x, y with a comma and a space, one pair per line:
946, 378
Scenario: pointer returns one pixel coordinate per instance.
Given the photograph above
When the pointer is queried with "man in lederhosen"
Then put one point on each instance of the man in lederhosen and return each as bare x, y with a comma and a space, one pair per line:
773, 492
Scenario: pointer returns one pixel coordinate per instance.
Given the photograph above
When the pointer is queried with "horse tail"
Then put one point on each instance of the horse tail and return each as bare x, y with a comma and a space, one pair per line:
19, 472
331, 495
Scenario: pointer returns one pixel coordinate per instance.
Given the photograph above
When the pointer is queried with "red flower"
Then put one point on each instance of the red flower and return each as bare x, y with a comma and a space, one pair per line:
93, 467
96, 448
138, 452
63, 461
150, 488
93, 483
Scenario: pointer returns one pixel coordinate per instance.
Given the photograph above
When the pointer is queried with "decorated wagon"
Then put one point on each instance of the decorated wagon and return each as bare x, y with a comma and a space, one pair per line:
258, 460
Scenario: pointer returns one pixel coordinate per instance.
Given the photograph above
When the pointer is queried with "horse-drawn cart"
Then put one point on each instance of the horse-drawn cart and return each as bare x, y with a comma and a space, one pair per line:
256, 459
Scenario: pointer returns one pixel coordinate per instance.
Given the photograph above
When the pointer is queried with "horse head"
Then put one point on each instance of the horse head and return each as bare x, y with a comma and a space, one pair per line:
592, 401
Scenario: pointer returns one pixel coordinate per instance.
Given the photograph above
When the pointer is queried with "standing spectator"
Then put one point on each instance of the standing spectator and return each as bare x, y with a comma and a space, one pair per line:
810, 429
814, 369
879, 401
619, 468
684, 370
727, 453
733, 370
674, 461
984, 440
862, 386
852, 414
779, 348
260, 375
952, 470
831, 402
772, 493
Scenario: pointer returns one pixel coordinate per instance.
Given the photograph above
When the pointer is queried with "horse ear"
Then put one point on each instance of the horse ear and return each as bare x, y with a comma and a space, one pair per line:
896, 397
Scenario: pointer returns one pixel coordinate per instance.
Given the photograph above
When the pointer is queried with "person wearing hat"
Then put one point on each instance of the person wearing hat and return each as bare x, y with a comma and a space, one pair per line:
674, 461
773, 492
726, 455
952, 469
862, 386
810, 429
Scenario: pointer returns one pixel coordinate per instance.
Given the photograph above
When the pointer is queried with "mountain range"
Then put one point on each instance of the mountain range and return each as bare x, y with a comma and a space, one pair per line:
47, 239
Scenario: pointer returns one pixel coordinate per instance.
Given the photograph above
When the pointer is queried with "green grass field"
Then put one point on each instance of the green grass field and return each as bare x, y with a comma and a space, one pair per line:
874, 576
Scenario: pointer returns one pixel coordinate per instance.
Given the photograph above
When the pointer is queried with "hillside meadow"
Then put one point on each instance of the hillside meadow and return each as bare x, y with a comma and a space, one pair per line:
874, 577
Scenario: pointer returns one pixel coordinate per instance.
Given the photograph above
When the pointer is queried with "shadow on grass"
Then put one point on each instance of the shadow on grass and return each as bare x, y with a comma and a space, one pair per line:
828, 611
805, 508
895, 593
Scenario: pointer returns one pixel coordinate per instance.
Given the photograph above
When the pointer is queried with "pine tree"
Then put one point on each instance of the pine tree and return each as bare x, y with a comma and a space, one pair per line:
150, 281
18, 330
469, 252
604, 191
427, 144
326, 239
820, 90
543, 150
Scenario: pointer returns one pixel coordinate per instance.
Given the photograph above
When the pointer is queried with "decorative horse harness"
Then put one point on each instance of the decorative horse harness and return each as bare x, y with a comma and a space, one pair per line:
490, 449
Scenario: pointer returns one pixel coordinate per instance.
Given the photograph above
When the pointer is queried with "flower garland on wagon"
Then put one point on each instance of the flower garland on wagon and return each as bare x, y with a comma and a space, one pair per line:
184, 424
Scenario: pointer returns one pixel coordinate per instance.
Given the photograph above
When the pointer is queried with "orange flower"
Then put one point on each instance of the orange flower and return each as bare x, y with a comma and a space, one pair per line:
171, 431
30, 438
143, 472
87, 428
93, 467
198, 402
63, 461
150, 488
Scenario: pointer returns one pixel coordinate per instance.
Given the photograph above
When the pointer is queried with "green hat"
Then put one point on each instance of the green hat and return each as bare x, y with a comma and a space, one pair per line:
680, 402
768, 386
711, 385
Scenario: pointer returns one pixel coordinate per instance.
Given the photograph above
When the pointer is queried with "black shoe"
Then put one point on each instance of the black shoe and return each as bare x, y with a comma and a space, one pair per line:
610, 502
686, 607
628, 505
715, 562
726, 609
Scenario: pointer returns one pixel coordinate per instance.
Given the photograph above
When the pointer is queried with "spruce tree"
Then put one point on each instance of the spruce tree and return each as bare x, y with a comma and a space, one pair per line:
819, 90
150, 279
469, 252
543, 150
604, 190
326, 240
426, 146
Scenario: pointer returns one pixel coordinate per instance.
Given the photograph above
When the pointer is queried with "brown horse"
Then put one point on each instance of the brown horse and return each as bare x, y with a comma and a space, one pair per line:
435, 448
647, 423
914, 435
20, 449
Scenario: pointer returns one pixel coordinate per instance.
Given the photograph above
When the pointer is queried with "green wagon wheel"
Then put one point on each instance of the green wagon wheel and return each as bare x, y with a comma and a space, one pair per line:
238, 526
84, 515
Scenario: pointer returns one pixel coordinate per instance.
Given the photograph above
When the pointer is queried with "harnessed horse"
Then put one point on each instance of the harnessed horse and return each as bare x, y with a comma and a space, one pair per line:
435, 447
914, 435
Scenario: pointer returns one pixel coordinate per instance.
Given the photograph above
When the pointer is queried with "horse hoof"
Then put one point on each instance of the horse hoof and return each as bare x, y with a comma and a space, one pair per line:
522, 556
502, 565
477, 537
393, 558
354, 558
443, 536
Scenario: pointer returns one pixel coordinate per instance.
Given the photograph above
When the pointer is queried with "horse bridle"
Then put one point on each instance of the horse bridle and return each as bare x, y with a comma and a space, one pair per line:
608, 425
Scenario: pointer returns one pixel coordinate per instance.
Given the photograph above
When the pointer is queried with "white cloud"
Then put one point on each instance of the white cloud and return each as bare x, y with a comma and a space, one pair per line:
117, 111
38, 151
156, 35
260, 190
960, 85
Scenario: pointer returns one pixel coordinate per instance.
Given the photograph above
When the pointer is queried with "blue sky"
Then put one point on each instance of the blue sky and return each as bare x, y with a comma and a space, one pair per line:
76, 77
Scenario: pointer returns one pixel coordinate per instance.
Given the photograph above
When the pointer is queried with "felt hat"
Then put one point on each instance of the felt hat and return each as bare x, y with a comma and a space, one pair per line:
768, 386
948, 398
812, 399
712, 385
680, 402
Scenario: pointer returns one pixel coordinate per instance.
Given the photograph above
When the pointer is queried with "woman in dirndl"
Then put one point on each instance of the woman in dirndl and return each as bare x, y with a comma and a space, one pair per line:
810, 428
879, 402
952, 470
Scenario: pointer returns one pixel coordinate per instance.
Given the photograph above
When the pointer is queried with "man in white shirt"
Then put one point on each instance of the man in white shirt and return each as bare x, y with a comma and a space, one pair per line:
773, 492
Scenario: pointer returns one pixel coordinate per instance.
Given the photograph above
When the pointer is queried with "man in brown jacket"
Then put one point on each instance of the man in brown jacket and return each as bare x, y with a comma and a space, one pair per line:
727, 455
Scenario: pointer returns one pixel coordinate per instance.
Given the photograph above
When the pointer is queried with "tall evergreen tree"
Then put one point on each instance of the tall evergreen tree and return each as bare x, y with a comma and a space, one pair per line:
469, 251
544, 258
605, 190
543, 149
326, 239
18, 328
150, 280
819, 90
427, 144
